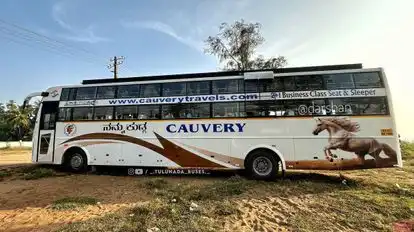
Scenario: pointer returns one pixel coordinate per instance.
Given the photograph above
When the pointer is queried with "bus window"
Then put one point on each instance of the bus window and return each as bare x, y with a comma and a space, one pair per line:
339, 81
228, 109
226, 86
150, 90
367, 80
65, 114
289, 83
272, 85
86, 93
174, 89
370, 106
106, 92
149, 112
251, 86
128, 91
103, 113
48, 115
65, 94
173, 111
68, 94
262, 109
126, 112
197, 110
313, 82
198, 88
82, 113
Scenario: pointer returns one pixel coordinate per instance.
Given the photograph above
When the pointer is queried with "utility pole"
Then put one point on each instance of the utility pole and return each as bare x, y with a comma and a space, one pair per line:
115, 61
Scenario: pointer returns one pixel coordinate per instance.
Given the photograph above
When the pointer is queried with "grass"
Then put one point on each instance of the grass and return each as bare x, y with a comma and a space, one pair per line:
69, 203
4, 173
38, 173
214, 191
174, 208
353, 210
161, 214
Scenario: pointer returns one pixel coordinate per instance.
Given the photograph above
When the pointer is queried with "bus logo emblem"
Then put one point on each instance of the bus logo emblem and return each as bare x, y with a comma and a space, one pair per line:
54, 93
70, 129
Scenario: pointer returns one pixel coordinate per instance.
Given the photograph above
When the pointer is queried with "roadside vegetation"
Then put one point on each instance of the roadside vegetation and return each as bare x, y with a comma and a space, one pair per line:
70, 203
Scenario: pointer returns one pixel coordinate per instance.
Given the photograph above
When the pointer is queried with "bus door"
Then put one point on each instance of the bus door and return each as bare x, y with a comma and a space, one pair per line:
47, 132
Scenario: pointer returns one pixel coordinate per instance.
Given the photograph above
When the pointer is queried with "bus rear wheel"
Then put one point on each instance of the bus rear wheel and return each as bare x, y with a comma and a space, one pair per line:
76, 161
262, 165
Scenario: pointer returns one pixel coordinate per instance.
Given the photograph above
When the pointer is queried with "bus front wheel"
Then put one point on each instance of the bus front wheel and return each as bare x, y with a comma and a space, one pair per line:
76, 161
262, 165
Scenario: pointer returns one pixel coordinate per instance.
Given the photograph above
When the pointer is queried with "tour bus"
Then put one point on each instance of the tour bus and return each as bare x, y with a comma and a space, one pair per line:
264, 122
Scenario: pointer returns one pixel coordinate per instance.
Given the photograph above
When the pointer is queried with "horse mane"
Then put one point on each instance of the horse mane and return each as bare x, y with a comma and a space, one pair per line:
345, 123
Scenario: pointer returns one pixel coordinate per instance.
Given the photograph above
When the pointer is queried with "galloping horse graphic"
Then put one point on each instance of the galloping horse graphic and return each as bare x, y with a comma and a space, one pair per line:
341, 136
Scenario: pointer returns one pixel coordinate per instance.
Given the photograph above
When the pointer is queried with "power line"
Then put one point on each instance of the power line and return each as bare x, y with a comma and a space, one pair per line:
49, 39
21, 35
26, 40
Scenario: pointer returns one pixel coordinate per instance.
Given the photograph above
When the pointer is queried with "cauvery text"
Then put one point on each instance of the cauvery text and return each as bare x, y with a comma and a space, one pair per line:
214, 127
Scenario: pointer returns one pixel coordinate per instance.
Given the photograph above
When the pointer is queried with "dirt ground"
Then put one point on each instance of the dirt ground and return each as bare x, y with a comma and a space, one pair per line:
295, 205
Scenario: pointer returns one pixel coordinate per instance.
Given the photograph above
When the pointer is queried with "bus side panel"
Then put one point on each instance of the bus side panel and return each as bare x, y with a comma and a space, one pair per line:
372, 139
241, 146
136, 155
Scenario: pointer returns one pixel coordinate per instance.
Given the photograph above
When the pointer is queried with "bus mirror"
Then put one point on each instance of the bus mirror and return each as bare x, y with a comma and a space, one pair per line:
258, 75
44, 94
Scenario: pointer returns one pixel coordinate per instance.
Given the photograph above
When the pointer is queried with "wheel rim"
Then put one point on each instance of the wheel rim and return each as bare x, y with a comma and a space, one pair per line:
262, 166
76, 161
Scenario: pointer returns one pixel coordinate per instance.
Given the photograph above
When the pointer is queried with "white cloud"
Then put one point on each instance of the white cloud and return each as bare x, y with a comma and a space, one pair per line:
165, 29
75, 34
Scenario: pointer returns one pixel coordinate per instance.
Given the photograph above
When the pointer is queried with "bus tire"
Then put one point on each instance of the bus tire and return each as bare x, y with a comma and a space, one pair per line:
262, 164
76, 161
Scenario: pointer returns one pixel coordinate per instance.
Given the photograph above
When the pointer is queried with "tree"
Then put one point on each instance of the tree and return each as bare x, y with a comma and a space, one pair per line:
4, 126
19, 119
236, 44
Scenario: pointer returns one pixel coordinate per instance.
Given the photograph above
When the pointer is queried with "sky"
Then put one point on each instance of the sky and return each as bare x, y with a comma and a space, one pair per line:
166, 37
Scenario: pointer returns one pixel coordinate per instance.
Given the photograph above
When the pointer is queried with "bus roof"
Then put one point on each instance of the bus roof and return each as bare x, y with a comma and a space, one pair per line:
223, 73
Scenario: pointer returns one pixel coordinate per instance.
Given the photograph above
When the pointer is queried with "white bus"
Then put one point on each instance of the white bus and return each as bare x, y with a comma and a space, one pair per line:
264, 122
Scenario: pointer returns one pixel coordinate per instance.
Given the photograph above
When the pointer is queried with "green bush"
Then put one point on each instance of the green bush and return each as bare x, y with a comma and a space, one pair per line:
407, 150
73, 202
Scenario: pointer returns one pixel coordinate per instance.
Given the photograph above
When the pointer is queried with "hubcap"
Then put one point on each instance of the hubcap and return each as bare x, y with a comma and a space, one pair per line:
76, 161
262, 166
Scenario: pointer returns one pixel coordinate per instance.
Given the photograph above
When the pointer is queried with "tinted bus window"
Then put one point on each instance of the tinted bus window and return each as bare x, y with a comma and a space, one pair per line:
86, 93
149, 112
174, 89
103, 113
313, 82
228, 109
364, 106
126, 112
64, 95
186, 111
65, 114
105, 92
272, 85
128, 91
226, 86
150, 90
263, 109
82, 113
367, 80
198, 88
339, 81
